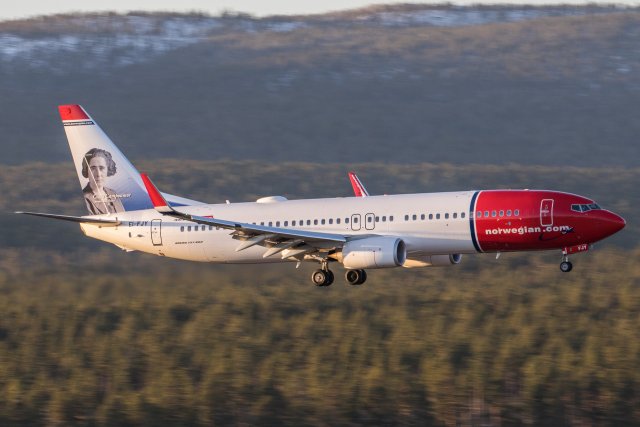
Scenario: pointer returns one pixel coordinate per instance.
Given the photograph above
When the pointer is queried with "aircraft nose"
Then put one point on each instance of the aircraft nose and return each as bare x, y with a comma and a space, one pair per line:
612, 223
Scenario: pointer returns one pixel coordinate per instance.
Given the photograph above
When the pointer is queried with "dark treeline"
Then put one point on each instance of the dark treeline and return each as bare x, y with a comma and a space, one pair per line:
114, 339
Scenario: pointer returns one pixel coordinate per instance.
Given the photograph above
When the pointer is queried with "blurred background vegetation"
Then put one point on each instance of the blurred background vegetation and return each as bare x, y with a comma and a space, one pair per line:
413, 98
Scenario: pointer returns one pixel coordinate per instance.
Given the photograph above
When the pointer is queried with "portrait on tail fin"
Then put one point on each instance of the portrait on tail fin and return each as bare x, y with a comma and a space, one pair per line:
97, 166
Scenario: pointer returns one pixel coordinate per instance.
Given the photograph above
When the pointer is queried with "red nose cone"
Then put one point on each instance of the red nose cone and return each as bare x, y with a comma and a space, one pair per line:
612, 223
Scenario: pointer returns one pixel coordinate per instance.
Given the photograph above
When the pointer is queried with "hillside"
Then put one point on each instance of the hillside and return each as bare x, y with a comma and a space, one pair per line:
404, 84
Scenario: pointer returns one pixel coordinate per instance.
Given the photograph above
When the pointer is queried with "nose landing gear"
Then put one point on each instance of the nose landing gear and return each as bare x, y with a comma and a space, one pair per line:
324, 276
565, 265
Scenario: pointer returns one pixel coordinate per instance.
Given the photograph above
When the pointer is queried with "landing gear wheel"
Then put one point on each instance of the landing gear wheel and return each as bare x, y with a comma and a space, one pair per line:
322, 278
566, 266
329, 280
355, 277
319, 277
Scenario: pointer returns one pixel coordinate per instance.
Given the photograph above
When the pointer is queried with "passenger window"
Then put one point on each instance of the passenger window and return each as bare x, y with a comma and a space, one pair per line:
262, 223
377, 219
369, 219
455, 215
509, 212
437, 216
315, 222
479, 214
406, 217
486, 214
286, 223
337, 220
493, 214
462, 215
322, 221
355, 220
346, 220
384, 218
293, 223
330, 220
182, 228
391, 218
516, 212
308, 222
430, 216
189, 228
446, 216
277, 223
270, 224
203, 227
501, 213
422, 216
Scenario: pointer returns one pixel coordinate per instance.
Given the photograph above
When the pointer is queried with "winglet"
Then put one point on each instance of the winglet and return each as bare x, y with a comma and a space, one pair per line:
159, 202
358, 188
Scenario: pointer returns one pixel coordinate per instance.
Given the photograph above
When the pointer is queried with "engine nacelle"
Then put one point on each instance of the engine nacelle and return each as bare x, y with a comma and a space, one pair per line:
374, 252
433, 261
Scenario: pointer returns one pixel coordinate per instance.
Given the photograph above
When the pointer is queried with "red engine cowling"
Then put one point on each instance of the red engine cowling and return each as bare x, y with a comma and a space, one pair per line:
433, 261
374, 252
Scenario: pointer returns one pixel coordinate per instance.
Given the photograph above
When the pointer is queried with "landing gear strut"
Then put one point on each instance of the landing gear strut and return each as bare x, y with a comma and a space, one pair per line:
355, 277
565, 265
324, 276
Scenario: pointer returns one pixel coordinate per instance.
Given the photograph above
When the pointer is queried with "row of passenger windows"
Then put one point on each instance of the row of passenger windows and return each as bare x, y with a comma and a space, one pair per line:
493, 214
431, 216
330, 221
195, 227
369, 219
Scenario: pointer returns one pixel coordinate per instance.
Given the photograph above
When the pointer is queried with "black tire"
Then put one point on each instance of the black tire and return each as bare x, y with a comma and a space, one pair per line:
319, 278
566, 266
353, 277
363, 277
329, 279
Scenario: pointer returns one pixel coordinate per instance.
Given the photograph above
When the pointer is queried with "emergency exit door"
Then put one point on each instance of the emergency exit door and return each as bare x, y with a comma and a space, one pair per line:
546, 212
156, 232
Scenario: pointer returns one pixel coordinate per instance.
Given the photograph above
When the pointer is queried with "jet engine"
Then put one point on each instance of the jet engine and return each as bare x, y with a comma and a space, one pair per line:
373, 252
433, 261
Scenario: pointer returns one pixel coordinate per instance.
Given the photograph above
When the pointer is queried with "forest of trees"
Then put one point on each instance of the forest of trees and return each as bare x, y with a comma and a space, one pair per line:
122, 339
93, 336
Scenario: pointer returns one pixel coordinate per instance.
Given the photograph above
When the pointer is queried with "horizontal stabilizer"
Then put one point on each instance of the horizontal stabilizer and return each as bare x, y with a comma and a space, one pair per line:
79, 219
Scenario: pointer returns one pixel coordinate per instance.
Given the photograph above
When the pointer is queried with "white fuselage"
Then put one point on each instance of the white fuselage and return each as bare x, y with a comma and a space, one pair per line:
430, 223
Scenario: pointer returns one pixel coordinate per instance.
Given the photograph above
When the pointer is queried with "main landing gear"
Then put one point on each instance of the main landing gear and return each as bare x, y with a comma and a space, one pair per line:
325, 277
355, 277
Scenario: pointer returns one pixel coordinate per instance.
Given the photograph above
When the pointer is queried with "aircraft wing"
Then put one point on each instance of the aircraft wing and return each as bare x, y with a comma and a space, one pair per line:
293, 243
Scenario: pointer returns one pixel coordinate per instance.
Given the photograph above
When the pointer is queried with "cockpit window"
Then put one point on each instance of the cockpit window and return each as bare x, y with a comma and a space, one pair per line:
585, 207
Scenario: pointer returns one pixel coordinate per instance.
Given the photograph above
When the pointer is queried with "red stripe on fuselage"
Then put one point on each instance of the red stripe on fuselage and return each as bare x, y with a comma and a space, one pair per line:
511, 220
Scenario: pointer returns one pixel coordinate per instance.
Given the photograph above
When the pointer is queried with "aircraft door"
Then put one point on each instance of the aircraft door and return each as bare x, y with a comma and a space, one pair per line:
156, 232
355, 222
369, 221
546, 212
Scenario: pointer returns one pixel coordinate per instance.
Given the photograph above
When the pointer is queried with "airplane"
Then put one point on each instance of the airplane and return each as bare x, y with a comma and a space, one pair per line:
361, 233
